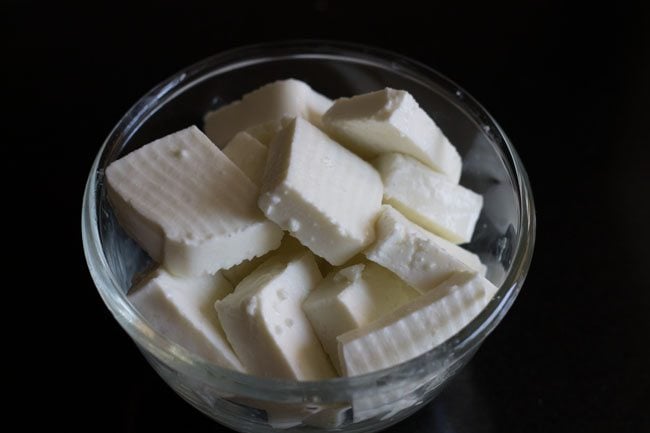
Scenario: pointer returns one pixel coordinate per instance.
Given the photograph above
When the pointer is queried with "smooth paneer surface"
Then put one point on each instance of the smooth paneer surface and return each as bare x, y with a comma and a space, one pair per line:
188, 206
416, 327
247, 153
268, 103
181, 309
353, 297
323, 194
264, 321
391, 120
420, 258
428, 198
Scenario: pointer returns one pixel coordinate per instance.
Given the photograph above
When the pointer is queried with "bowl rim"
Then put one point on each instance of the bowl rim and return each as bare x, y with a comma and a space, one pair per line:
272, 388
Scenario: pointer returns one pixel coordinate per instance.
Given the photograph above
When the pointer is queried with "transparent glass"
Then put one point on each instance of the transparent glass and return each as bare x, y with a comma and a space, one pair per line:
504, 236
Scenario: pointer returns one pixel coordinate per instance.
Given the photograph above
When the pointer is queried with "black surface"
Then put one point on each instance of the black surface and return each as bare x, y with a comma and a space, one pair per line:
568, 84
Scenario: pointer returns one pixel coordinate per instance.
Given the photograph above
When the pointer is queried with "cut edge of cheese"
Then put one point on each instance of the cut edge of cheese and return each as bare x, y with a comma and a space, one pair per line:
185, 257
390, 120
181, 309
188, 206
306, 190
238, 272
429, 198
266, 307
419, 257
270, 102
352, 297
248, 154
266, 132
416, 327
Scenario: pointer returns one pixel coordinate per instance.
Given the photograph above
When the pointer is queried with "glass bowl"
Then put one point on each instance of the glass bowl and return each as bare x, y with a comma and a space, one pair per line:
504, 235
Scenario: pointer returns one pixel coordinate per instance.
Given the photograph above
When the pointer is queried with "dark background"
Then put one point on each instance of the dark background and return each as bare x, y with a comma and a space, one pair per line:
569, 84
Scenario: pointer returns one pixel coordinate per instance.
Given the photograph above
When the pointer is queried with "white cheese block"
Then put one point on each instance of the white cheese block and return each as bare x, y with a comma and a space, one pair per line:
420, 258
416, 327
318, 106
181, 308
238, 272
266, 132
248, 154
353, 297
270, 102
265, 324
323, 194
188, 206
391, 120
235, 274
429, 198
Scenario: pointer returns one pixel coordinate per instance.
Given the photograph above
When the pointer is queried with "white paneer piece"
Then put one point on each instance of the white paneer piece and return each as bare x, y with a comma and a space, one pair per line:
318, 106
188, 206
235, 274
266, 132
248, 154
428, 198
238, 272
416, 327
323, 194
391, 120
264, 321
290, 97
181, 309
420, 258
353, 297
